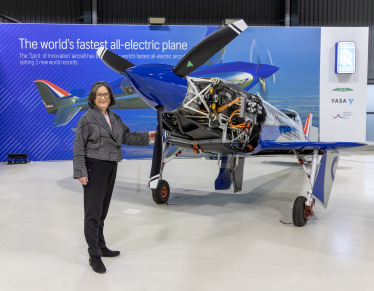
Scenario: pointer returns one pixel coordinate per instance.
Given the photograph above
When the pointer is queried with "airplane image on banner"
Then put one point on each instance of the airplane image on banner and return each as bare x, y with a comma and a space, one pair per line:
65, 105
214, 115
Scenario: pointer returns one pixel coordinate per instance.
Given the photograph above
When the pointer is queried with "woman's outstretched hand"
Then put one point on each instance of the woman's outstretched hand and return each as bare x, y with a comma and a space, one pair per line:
83, 180
152, 135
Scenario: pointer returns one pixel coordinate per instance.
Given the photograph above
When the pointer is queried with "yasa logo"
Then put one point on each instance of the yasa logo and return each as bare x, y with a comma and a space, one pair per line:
342, 89
339, 100
342, 101
345, 115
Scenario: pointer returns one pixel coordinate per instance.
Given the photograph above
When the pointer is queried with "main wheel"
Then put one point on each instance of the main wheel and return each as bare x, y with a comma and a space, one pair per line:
161, 194
298, 210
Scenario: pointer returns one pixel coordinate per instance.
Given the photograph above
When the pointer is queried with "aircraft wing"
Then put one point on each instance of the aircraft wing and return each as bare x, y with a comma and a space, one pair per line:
270, 145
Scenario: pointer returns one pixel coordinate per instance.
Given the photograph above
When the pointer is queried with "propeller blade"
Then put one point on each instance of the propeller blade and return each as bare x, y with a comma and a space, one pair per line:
263, 85
114, 61
157, 151
208, 47
271, 61
254, 56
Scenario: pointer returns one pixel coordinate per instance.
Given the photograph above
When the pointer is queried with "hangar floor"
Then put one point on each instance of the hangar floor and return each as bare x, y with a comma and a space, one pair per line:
203, 240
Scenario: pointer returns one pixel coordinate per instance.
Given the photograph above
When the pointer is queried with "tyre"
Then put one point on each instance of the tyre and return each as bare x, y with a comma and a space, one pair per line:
161, 194
298, 211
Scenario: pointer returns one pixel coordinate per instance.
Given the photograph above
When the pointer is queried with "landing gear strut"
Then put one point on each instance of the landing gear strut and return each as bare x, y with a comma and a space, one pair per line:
303, 208
161, 190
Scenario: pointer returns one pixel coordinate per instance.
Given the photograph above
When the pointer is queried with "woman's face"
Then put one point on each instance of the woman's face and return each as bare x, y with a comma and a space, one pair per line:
102, 98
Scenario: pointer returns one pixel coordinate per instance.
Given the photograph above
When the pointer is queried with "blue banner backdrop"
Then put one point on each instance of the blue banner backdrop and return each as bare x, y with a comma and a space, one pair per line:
65, 56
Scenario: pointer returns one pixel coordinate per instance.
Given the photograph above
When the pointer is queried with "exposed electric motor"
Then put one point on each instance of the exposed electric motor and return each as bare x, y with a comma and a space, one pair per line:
216, 104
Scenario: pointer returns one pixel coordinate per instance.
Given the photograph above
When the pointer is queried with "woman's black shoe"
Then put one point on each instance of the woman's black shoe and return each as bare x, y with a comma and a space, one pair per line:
97, 264
105, 252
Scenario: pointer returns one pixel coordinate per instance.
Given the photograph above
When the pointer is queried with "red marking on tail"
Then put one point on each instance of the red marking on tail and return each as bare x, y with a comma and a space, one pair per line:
306, 127
62, 91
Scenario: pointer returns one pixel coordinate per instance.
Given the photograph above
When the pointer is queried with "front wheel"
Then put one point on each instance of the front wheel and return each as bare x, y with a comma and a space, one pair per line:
161, 194
298, 211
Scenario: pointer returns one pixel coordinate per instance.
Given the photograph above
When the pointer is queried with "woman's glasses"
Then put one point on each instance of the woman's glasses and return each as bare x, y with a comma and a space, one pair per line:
102, 96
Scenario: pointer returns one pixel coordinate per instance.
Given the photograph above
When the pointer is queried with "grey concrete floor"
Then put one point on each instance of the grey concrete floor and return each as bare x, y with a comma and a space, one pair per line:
203, 240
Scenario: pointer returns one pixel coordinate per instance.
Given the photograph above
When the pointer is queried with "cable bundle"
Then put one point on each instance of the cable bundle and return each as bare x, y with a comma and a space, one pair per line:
237, 101
241, 125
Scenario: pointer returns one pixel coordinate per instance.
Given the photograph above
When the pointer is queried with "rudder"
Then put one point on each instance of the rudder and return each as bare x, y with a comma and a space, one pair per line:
53, 96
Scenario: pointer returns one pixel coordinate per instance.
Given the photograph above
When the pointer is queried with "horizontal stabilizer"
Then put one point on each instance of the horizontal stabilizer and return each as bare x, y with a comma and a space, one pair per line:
326, 176
308, 145
64, 115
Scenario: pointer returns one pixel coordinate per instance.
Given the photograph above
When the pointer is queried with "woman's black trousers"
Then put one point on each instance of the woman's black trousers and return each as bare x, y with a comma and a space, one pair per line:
97, 196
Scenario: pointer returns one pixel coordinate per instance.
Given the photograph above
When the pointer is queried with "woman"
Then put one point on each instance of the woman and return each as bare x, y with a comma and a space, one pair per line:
97, 149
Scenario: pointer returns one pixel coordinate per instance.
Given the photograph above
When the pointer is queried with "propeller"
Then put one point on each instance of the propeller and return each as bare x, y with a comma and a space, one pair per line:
114, 61
271, 62
196, 57
254, 57
264, 71
150, 80
208, 47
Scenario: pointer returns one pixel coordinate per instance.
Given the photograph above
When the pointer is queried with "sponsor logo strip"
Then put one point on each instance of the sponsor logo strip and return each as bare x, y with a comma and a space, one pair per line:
342, 89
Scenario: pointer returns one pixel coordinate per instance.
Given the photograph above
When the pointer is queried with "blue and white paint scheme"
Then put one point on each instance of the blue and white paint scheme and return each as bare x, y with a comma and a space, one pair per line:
203, 112
326, 176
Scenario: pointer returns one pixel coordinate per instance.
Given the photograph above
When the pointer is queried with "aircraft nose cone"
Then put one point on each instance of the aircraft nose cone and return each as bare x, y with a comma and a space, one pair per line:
265, 71
158, 85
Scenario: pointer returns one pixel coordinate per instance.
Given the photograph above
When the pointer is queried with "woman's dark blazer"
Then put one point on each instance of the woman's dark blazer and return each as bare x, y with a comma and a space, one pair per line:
95, 139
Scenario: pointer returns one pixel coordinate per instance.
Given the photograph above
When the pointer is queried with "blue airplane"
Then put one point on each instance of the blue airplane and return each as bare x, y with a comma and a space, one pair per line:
212, 115
65, 105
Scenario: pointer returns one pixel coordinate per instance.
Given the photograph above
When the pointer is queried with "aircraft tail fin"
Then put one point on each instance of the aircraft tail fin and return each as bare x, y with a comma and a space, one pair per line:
308, 124
53, 96
310, 131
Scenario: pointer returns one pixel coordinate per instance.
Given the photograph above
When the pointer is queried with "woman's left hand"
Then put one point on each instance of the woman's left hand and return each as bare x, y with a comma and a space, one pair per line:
152, 135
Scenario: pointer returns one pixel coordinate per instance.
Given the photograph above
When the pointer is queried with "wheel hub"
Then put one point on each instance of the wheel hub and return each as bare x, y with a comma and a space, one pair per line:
164, 192
308, 211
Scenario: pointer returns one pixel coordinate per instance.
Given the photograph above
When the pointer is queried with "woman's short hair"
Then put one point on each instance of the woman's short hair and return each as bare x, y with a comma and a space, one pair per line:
92, 94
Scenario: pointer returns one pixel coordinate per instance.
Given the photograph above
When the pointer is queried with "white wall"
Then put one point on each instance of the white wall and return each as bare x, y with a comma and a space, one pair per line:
353, 127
